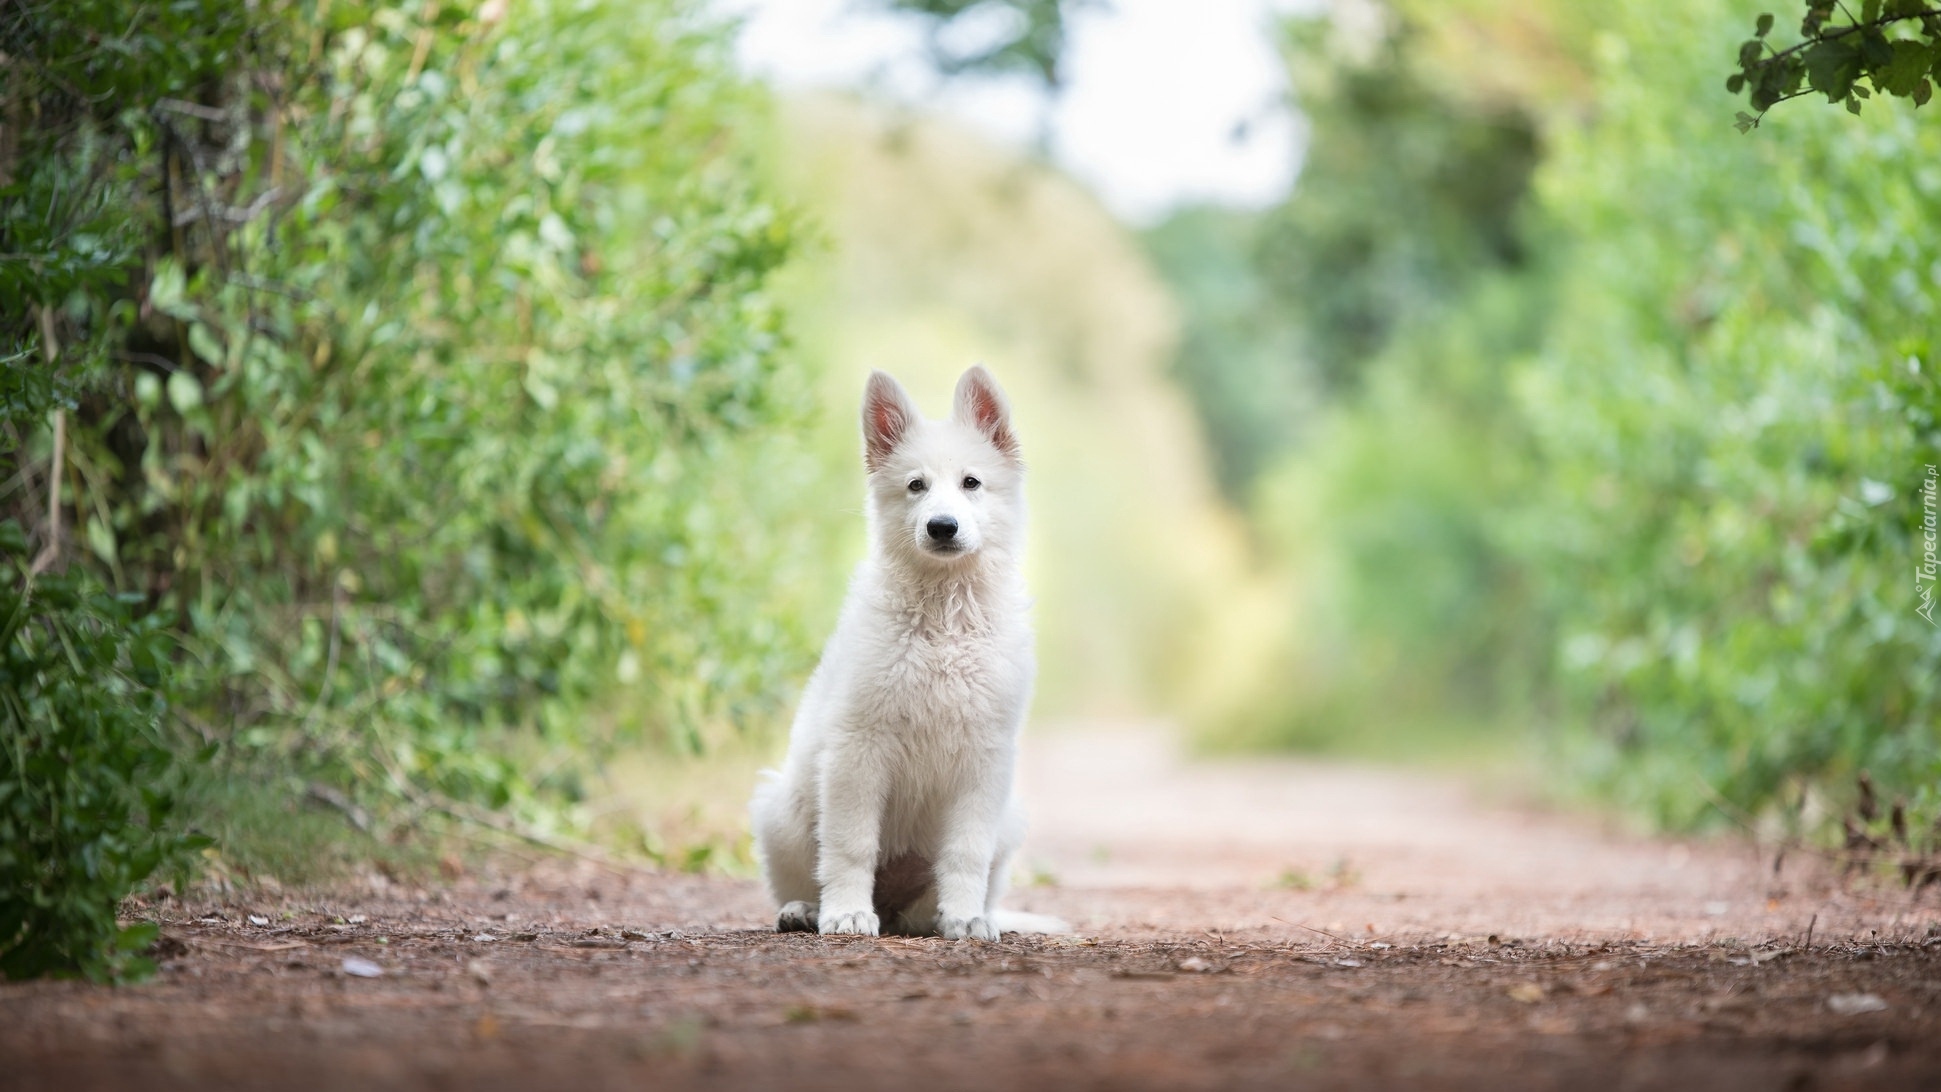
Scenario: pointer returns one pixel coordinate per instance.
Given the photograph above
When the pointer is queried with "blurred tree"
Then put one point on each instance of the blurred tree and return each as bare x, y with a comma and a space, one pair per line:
1239, 355
1407, 196
1895, 45
996, 37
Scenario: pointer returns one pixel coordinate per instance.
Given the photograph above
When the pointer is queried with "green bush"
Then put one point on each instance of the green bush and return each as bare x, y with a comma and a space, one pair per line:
1734, 406
87, 775
409, 349
1659, 487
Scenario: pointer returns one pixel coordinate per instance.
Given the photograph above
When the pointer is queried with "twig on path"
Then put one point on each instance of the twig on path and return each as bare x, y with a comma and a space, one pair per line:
465, 813
1312, 929
1745, 821
50, 551
331, 798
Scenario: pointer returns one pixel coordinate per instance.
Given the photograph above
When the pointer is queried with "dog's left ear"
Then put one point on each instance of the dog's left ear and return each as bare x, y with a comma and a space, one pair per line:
980, 403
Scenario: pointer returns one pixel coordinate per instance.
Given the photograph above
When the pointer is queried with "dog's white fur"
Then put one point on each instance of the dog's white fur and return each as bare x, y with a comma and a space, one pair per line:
894, 810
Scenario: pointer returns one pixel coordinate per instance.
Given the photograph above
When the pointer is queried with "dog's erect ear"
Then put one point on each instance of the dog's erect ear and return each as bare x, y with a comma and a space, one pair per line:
888, 414
981, 404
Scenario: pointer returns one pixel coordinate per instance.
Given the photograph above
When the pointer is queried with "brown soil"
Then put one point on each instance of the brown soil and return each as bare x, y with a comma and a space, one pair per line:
1258, 925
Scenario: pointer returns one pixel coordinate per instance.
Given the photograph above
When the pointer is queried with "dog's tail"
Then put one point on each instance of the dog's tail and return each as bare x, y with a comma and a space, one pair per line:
1020, 921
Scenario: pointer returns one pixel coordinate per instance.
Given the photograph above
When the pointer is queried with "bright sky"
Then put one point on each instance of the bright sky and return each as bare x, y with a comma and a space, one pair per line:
1156, 91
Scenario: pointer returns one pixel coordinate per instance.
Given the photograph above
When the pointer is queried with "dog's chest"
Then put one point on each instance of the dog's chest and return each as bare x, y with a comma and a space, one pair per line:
951, 685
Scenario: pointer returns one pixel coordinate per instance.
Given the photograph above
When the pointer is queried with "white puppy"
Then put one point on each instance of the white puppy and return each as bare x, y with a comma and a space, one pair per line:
894, 809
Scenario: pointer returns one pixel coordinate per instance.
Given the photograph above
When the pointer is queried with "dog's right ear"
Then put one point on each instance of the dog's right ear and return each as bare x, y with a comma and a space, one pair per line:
888, 414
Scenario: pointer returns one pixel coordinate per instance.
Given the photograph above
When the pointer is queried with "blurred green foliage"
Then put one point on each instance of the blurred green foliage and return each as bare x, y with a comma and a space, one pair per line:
1409, 198
1408, 195
1240, 356
1647, 469
88, 779
408, 351
1895, 45
1735, 404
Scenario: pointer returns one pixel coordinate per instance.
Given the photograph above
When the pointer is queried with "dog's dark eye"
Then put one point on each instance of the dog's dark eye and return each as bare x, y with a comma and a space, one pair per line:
970, 482
918, 485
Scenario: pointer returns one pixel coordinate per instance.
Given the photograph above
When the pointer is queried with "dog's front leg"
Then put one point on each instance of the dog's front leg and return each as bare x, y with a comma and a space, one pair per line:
854, 788
963, 865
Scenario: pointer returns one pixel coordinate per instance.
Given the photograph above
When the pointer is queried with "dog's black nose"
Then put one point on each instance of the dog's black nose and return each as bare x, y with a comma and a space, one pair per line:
941, 528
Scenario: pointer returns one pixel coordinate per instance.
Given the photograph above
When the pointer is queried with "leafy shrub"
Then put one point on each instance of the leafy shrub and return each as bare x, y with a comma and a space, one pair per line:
1662, 486
87, 775
1894, 45
409, 348
1734, 406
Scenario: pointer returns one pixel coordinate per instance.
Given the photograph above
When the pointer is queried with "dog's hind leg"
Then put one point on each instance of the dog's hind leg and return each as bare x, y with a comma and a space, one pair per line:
1010, 834
784, 829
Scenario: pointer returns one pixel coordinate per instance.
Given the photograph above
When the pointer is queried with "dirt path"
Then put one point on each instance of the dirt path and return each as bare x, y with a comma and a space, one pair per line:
1269, 925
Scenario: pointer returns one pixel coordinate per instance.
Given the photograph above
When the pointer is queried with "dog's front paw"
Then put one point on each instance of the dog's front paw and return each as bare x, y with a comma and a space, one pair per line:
796, 917
857, 923
951, 928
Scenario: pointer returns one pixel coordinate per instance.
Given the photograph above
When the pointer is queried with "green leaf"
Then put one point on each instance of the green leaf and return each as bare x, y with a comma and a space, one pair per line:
1907, 69
101, 539
204, 343
167, 290
1875, 49
1764, 25
138, 936
184, 391
1831, 68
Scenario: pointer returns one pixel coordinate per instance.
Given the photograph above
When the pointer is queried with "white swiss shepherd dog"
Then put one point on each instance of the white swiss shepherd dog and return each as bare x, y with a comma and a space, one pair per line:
894, 811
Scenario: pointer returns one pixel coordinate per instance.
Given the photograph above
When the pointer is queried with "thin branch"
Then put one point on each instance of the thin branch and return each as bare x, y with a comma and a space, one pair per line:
1846, 31
192, 109
50, 551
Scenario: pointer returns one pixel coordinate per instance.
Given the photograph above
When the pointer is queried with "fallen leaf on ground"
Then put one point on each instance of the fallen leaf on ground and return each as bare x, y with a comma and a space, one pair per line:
263, 945
362, 968
1853, 1004
1527, 992
1195, 965
258, 919
809, 1014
